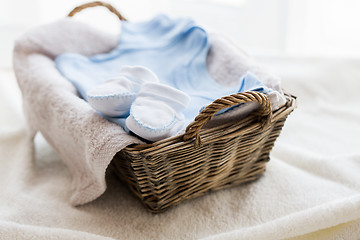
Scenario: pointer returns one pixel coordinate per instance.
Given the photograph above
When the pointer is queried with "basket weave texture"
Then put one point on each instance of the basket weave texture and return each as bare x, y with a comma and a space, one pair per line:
167, 172
164, 173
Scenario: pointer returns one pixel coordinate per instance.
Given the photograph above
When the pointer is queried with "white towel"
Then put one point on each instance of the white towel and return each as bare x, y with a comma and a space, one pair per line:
85, 141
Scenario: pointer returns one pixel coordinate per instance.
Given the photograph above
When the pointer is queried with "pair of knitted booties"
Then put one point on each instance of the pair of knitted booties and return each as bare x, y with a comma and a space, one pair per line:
153, 111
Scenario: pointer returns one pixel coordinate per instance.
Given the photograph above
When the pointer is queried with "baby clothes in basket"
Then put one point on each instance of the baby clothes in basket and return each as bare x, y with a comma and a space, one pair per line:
175, 50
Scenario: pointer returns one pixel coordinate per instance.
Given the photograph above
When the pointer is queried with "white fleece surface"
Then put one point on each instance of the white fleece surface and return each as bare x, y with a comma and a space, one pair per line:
311, 189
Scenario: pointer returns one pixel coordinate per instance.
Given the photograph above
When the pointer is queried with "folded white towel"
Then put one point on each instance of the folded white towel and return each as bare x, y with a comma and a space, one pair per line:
85, 141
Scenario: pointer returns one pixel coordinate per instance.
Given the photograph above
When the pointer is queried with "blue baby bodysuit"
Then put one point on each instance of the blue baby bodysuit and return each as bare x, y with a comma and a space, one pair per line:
174, 49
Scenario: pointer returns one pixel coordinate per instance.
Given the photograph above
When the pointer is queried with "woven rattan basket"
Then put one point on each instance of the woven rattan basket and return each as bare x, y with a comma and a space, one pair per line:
166, 172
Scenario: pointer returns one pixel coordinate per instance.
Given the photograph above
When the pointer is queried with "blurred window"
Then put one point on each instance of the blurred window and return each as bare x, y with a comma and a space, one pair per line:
263, 27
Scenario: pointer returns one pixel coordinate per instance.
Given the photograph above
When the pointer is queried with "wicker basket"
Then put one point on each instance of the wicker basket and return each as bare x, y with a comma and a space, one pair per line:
166, 172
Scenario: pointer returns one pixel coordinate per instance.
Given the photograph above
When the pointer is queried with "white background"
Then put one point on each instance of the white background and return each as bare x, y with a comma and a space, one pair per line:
315, 28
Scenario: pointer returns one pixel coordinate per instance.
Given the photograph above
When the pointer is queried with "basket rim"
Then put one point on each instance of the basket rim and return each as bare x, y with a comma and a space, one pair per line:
286, 109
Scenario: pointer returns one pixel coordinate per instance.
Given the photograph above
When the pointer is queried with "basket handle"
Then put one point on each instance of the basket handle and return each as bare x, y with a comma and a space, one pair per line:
193, 129
95, 4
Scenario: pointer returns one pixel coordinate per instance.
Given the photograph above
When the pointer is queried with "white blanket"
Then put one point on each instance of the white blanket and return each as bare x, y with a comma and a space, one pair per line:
311, 189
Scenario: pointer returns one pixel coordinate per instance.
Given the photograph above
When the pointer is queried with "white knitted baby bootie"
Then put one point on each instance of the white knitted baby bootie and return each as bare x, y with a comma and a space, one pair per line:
115, 96
156, 112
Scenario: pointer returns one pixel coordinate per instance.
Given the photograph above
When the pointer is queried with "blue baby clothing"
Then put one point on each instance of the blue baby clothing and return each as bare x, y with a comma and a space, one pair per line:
174, 49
